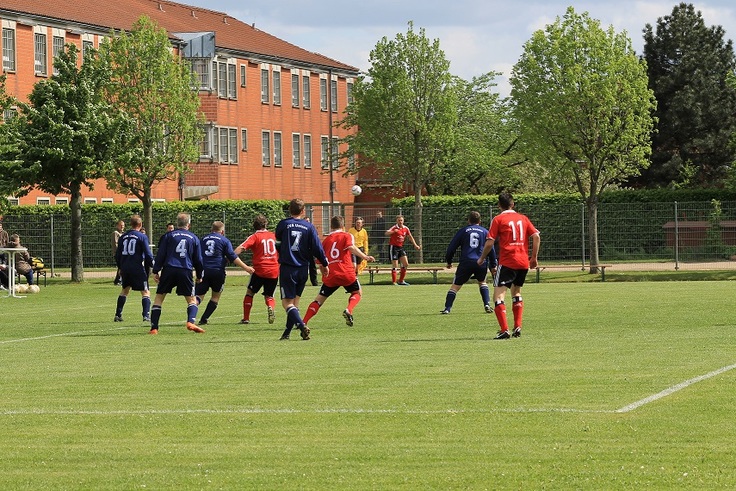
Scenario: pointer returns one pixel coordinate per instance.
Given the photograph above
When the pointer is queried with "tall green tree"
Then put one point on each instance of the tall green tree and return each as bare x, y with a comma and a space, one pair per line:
583, 107
151, 88
483, 160
63, 138
404, 111
8, 150
687, 65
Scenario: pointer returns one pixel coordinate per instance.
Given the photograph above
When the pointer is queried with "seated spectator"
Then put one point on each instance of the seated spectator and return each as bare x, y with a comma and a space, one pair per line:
22, 259
3, 273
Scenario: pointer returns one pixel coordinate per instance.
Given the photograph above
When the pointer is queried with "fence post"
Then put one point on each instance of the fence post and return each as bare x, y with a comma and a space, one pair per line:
52, 245
582, 235
677, 241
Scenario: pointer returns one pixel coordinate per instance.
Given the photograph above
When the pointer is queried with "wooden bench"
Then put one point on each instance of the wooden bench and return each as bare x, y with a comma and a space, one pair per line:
372, 270
601, 267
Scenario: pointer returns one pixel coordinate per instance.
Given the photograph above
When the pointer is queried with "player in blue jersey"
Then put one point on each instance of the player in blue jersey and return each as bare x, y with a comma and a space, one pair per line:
179, 254
217, 251
470, 240
134, 261
298, 243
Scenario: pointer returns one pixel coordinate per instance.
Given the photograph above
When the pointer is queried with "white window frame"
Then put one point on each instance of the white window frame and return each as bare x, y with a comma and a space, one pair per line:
335, 147
306, 91
243, 74
295, 93
244, 139
322, 93
276, 76
307, 147
296, 150
12, 201
9, 48
107, 200
90, 201
349, 90
40, 53
265, 85
232, 81
62, 200
266, 148
278, 149
324, 147
43, 200
57, 46
333, 95
133, 200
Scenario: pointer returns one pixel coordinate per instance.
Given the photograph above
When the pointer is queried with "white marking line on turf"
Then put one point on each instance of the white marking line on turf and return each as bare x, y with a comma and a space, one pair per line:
673, 389
61, 335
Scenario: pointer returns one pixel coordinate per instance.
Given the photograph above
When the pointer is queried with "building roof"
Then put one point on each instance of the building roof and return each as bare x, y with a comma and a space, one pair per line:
230, 33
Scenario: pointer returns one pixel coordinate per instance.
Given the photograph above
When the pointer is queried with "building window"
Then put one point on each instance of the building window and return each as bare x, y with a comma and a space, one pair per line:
201, 69
335, 153
323, 94
244, 139
265, 89
233, 146
9, 114
325, 152
8, 49
86, 47
57, 47
90, 201
307, 151
107, 200
43, 201
205, 147
349, 89
222, 79
40, 55
295, 90
232, 82
223, 145
277, 87
133, 200
333, 95
296, 158
242, 75
306, 97
65, 201
277, 150
14, 201
266, 148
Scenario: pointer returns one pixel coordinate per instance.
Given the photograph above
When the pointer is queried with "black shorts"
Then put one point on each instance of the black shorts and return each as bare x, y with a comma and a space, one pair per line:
213, 278
178, 278
396, 252
509, 276
467, 270
326, 291
268, 285
136, 279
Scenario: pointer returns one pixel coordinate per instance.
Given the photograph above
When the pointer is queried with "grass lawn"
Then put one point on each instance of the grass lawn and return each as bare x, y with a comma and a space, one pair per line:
406, 399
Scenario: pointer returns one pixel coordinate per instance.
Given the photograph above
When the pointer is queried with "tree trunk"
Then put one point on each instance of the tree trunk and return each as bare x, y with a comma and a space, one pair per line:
418, 217
148, 214
75, 206
592, 205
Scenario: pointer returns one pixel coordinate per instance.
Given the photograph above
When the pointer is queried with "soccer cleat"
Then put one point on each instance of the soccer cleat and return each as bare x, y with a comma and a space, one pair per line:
348, 318
244, 321
271, 315
403, 283
118, 318
203, 322
194, 327
284, 337
304, 331
147, 319
153, 331
488, 308
502, 335
444, 311
516, 333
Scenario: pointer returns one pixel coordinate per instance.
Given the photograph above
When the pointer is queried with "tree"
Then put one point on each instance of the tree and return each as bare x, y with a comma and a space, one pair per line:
687, 65
8, 150
151, 88
63, 138
404, 111
482, 161
583, 107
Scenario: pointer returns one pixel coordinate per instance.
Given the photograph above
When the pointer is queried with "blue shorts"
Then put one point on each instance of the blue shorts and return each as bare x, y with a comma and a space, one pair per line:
293, 280
467, 270
178, 278
509, 276
268, 285
213, 278
136, 279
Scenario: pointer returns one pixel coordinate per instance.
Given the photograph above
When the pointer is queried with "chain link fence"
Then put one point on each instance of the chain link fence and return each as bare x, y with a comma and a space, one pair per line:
655, 235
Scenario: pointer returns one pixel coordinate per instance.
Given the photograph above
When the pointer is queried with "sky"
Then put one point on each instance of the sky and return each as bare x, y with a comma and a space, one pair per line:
477, 36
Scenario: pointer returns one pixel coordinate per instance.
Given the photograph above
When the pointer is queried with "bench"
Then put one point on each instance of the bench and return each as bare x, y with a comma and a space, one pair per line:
372, 270
37, 271
601, 267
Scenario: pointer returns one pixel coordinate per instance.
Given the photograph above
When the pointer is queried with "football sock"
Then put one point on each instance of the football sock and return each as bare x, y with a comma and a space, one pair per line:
199, 300
247, 305
500, 312
121, 304
211, 306
146, 303
311, 311
270, 302
518, 309
403, 274
155, 316
450, 299
192, 310
353, 301
485, 294
393, 275
293, 318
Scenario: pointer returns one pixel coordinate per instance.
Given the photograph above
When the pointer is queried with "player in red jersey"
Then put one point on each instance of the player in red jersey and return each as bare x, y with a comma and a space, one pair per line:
512, 230
339, 248
266, 263
397, 235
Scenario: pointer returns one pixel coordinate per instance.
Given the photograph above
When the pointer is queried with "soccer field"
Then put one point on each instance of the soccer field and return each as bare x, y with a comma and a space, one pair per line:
611, 386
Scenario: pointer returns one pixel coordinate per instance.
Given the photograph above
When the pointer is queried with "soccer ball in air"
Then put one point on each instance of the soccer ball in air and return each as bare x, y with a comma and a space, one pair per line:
356, 190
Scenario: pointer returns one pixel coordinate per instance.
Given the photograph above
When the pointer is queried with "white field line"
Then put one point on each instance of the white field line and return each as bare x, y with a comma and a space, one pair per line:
625, 409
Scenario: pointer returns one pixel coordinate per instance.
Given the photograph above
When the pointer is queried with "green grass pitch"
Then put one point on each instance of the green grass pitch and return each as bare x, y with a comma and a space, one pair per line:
611, 386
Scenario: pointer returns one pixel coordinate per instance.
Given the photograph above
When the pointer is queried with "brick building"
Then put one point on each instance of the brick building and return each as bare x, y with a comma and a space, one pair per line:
269, 105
